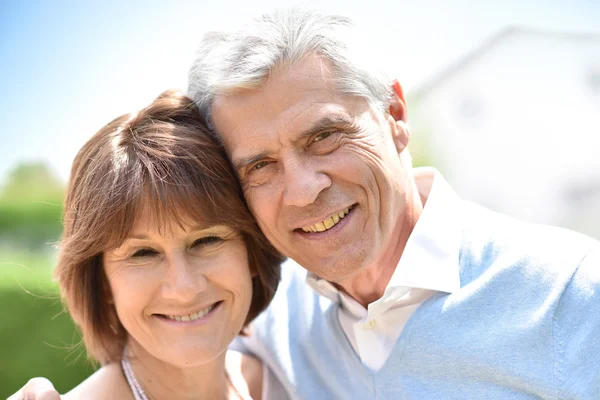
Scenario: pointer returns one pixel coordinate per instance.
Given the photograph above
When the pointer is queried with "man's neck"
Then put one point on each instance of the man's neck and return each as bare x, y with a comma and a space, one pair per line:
369, 284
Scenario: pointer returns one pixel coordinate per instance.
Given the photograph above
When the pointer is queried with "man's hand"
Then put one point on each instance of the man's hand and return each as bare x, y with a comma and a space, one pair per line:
36, 389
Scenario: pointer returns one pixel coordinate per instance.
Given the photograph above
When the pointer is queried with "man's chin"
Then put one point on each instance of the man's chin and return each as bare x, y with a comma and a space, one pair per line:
334, 269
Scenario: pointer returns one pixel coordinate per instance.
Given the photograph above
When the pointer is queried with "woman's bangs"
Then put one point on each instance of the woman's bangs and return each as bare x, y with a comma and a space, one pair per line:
172, 203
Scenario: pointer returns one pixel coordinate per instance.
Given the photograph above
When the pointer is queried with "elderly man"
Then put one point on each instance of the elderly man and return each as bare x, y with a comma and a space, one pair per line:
411, 292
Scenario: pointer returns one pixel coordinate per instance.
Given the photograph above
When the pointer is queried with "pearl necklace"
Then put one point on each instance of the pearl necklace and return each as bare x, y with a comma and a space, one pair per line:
134, 385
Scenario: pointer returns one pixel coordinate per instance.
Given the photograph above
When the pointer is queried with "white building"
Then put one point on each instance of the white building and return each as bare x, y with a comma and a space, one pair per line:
515, 126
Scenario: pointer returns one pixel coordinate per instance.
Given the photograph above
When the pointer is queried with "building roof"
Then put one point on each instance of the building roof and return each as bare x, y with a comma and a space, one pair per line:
491, 42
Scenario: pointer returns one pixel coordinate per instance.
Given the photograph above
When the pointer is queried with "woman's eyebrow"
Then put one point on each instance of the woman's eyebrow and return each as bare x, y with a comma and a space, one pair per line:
138, 236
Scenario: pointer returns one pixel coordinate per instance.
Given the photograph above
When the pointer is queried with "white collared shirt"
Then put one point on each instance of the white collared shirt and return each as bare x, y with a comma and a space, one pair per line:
428, 265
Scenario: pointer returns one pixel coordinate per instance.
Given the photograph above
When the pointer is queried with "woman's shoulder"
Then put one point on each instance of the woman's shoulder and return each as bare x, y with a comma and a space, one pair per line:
246, 373
106, 383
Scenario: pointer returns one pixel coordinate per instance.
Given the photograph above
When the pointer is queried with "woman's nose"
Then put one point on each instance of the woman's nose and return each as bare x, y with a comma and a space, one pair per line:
183, 280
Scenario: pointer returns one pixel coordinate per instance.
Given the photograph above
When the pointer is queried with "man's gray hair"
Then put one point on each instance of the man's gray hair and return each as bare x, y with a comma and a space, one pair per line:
245, 59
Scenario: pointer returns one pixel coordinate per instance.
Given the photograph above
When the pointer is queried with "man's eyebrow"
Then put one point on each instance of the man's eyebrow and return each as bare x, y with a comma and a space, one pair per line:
324, 123
243, 162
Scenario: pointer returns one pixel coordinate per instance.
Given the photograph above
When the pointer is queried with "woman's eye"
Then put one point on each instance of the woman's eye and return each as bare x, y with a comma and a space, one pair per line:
207, 240
144, 253
322, 136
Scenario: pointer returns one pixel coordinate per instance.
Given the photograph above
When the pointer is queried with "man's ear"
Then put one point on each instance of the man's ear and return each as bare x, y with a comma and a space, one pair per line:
397, 118
397, 102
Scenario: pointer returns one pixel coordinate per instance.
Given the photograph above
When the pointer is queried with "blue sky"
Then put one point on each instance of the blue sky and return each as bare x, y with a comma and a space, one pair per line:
68, 67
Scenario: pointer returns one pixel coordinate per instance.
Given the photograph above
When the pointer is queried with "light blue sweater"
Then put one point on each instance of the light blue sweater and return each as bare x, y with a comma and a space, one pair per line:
525, 324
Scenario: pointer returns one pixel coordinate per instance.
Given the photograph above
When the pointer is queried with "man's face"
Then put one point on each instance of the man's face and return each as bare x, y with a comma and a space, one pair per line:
320, 170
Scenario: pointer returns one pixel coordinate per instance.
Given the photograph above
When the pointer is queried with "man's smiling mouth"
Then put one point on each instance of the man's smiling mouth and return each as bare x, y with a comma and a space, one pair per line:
328, 222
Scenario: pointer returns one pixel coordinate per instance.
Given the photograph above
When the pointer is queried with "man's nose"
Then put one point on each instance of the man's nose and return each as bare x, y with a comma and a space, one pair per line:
183, 280
303, 182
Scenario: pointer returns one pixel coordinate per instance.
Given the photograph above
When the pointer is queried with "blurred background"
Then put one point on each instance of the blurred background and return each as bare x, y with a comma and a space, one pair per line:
504, 98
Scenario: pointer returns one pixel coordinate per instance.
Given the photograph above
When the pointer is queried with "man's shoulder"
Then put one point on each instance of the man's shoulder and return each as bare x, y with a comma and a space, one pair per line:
292, 273
494, 241
584, 285
293, 293
295, 312
486, 229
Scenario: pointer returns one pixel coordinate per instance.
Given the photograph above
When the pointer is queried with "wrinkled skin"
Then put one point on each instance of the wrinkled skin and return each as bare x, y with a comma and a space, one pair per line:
304, 152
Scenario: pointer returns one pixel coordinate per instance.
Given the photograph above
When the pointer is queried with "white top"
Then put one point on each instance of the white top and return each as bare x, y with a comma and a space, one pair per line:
271, 387
429, 265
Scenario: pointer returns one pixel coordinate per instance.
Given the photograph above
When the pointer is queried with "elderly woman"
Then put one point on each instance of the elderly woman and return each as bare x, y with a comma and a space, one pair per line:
161, 264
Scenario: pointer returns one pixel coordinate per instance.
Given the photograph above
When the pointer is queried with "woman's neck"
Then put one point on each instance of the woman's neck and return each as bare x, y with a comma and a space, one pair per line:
161, 380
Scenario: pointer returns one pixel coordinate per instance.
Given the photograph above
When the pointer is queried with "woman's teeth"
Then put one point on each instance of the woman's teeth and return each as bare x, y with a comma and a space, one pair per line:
192, 317
328, 223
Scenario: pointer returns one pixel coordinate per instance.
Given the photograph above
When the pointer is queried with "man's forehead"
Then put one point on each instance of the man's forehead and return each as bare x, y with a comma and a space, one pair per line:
306, 80
289, 103
239, 120
261, 134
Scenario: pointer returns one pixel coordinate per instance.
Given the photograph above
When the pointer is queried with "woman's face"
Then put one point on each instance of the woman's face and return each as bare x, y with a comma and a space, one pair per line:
182, 293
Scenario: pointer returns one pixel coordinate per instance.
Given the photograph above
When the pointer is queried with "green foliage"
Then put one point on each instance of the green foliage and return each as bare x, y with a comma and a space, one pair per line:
31, 182
419, 144
35, 334
31, 207
32, 225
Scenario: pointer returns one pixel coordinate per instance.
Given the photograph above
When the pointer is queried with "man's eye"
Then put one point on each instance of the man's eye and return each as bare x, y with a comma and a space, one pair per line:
260, 165
144, 253
322, 136
207, 240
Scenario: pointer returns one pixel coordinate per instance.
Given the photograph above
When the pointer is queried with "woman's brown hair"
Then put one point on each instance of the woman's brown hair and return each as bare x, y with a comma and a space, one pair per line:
164, 159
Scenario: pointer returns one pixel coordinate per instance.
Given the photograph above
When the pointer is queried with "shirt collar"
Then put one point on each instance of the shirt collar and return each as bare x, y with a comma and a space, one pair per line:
430, 258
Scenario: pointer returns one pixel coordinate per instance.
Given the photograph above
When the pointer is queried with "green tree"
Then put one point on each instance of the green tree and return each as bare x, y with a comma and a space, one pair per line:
32, 182
31, 206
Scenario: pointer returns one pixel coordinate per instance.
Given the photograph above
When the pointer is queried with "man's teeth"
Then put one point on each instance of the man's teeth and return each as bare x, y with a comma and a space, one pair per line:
327, 223
192, 317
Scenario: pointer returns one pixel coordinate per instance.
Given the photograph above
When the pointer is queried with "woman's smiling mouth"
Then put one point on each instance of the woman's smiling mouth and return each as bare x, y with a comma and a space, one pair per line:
191, 317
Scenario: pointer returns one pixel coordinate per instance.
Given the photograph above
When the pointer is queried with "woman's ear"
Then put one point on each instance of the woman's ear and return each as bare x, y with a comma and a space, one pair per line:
106, 290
